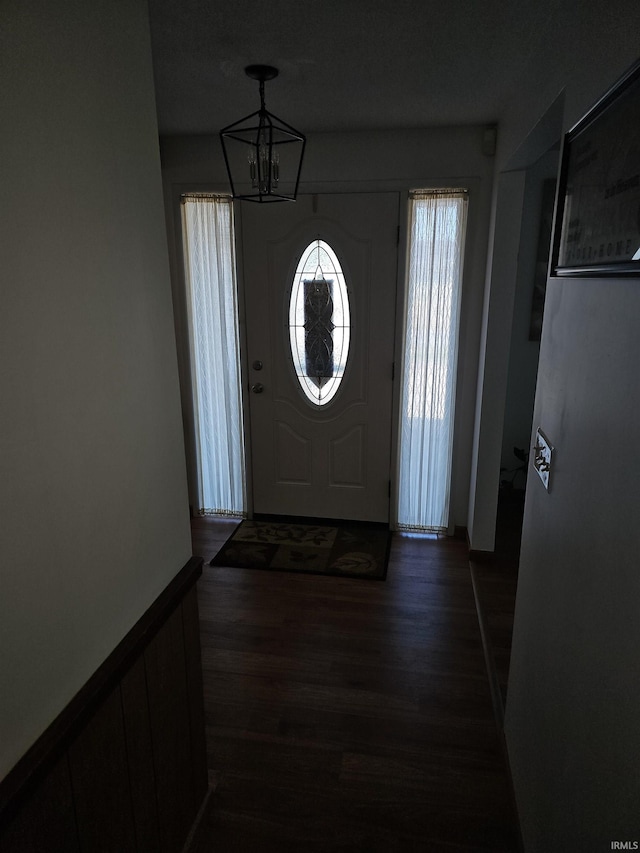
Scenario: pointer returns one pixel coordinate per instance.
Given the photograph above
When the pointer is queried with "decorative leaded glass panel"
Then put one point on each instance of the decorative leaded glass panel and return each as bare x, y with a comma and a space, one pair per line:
319, 324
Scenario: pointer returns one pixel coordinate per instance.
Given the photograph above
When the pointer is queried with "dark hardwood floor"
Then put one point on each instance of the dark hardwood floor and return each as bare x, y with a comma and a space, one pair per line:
349, 715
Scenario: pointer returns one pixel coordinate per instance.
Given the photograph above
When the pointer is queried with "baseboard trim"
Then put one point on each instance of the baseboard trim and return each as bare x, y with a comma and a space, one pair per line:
494, 683
51, 745
481, 556
512, 790
496, 694
198, 824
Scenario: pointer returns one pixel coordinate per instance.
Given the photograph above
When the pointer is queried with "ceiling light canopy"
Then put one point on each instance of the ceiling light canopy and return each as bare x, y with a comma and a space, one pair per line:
263, 154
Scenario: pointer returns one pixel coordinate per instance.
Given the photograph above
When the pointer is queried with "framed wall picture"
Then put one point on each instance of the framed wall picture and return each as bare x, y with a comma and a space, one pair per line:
597, 226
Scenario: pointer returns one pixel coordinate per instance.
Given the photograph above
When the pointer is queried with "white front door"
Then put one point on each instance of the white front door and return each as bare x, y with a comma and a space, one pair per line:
330, 461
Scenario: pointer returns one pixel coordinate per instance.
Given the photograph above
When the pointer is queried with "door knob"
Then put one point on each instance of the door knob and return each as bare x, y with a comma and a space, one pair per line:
257, 365
257, 388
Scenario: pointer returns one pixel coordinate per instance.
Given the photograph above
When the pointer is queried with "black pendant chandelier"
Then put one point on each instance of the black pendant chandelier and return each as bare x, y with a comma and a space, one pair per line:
263, 154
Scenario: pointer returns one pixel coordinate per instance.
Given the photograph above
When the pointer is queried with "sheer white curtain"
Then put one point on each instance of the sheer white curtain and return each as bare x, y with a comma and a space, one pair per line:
210, 273
434, 278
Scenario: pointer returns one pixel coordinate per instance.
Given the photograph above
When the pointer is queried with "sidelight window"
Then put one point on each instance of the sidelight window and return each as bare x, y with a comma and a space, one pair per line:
437, 224
210, 278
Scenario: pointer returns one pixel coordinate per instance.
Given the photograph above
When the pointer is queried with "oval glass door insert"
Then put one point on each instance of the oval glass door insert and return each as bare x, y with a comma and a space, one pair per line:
319, 323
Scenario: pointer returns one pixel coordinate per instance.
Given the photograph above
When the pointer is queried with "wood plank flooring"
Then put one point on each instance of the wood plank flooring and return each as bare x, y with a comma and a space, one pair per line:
349, 715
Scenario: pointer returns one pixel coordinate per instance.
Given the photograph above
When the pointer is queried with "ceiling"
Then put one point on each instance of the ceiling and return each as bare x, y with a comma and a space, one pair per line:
344, 64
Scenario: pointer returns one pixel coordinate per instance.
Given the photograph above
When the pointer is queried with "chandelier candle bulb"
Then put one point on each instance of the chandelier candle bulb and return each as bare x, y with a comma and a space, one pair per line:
251, 157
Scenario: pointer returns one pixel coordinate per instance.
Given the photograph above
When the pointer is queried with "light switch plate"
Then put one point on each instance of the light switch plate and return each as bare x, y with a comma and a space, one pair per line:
542, 457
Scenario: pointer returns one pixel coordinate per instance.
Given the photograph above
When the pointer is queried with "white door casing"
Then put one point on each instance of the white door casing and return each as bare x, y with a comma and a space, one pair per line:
331, 461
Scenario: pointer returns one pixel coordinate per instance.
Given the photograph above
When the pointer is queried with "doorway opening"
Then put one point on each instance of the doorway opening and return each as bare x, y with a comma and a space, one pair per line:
540, 179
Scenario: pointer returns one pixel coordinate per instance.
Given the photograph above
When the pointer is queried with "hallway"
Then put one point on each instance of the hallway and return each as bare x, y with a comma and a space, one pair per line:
349, 715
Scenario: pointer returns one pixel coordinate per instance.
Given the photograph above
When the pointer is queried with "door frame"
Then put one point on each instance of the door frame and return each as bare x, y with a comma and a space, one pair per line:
476, 252
402, 197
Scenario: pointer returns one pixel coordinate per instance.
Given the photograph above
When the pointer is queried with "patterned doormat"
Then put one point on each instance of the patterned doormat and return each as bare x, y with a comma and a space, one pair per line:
345, 550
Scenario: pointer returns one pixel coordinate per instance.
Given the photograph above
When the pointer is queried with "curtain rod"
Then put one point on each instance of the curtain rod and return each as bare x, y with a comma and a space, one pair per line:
439, 191
205, 197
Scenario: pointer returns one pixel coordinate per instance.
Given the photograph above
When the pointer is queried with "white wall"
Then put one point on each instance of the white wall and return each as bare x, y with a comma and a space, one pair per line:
572, 723
93, 502
580, 51
574, 57
367, 162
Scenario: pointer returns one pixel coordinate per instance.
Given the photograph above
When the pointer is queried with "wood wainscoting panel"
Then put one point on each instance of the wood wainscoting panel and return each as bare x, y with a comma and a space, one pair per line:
46, 820
169, 713
100, 780
193, 658
135, 706
123, 768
